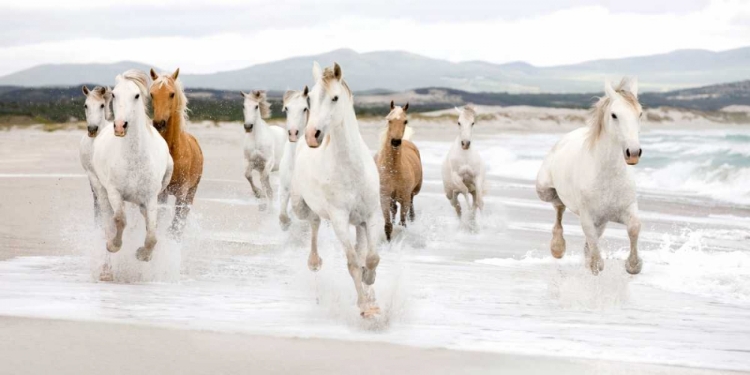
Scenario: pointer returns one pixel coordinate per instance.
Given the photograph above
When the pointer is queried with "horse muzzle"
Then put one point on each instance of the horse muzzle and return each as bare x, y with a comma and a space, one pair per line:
395, 143
465, 144
93, 130
634, 156
314, 138
160, 125
121, 128
249, 128
293, 136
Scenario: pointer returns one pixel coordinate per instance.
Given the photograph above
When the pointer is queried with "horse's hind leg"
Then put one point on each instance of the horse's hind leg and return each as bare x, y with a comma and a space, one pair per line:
634, 264
411, 209
183, 203
284, 219
150, 212
453, 197
314, 262
97, 210
557, 246
405, 208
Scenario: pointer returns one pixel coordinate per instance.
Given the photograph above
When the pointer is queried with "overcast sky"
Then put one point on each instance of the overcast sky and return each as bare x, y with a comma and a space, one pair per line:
209, 36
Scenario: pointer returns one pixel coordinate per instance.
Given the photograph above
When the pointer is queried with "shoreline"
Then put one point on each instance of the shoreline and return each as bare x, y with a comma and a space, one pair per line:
86, 347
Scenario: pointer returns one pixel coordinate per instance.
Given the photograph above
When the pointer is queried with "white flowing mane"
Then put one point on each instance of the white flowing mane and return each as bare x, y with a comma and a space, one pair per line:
598, 111
140, 79
261, 98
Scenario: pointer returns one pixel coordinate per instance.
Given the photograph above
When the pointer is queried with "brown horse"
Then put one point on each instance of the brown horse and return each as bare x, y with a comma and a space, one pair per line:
400, 167
170, 107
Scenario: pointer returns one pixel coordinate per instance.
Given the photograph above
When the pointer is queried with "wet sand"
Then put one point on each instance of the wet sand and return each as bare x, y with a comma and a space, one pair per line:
241, 277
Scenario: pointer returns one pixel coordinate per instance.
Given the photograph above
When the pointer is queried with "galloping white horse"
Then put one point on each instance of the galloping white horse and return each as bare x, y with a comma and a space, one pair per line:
98, 114
335, 178
587, 172
264, 144
131, 162
463, 168
297, 108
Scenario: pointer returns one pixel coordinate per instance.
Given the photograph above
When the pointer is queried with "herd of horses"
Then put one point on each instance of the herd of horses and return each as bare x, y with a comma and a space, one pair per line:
332, 174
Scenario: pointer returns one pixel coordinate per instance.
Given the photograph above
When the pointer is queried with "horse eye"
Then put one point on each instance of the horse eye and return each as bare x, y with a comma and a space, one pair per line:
113, 95
406, 122
102, 106
335, 98
459, 123
304, 109
256, 107
137, 96
472, 124
285, 109
640, 115
86, 106
171, 95
614, 116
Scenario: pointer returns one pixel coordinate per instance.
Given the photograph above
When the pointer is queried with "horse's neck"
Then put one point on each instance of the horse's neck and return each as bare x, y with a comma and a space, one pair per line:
607, 155
138, 137
391, 156
346, 138
174, 129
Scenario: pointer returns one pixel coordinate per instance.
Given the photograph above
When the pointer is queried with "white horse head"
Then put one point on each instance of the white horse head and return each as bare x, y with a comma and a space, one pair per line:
255, 108
297, 109
331, 102
129, 99
466, 118
97, 107
617, 116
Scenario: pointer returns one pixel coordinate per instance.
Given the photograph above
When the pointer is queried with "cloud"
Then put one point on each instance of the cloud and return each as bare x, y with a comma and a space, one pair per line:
202, 38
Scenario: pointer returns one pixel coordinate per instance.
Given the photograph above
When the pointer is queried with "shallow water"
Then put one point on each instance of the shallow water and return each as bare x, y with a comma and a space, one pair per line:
440, 283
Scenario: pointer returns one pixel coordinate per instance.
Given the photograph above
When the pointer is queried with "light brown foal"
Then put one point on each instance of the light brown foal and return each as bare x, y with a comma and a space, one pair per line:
400, 167
170, 106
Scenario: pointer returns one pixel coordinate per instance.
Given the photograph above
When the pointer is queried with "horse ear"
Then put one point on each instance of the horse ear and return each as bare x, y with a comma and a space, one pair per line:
632, 86
337, 71
317, 72
288, 94
392, 105
458, 110
176, 73
244, 95
85, 90
154, 76
305, 91
107, 93
406, 107
608, 90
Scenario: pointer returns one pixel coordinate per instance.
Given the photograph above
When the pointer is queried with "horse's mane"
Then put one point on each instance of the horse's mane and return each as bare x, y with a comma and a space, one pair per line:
598, 111
290, 95
140, 79
105, 94
179, 93
329, 76
262, 99
470, 111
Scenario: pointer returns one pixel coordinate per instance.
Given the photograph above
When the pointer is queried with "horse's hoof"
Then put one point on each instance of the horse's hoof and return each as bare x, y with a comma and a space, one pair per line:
143, 254
370, 312
368, 275
597, 265
558, 247
106, 274
112, 247
315, 263
285, 222
634, 268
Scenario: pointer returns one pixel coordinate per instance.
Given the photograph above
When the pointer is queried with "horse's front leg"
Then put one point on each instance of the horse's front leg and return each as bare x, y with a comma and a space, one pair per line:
557, 247
593, 231
634, 264
405, 208
183, 203
150, 213
284, 219
118, 220
372, 260
249, 176
314, 262
385, 206
365, 299
265, 180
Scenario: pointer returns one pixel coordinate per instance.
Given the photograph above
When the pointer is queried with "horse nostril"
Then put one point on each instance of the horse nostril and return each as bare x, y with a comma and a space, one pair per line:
163, 123
640, 152
627, 152
125, 125
317, 133
395, 142
290, 133
296, 132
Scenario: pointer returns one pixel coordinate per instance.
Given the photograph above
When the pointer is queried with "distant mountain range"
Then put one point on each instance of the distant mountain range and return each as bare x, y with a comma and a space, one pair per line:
399, 71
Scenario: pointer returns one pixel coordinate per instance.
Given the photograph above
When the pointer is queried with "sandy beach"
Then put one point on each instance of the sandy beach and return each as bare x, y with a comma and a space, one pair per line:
236, 296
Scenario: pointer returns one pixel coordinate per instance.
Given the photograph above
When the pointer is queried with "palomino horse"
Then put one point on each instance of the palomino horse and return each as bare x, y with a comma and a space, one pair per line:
131, 163
264, 144
98, 116
463, 168
335, 178
297, 108
400, 168
170, 114
586, 171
